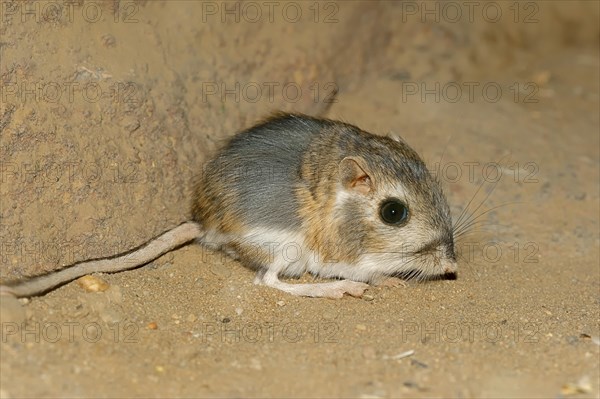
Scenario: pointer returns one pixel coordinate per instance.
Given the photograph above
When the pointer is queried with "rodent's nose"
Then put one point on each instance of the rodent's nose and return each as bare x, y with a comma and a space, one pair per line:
449, 267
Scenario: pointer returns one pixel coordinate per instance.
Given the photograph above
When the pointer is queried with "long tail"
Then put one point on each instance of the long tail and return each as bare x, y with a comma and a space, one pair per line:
146, 253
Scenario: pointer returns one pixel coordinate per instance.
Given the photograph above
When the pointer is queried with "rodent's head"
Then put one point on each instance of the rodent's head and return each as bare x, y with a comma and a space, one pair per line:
394, 209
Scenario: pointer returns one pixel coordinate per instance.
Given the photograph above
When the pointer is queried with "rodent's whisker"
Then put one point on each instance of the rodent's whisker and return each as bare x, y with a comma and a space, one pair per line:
465, 210
465, 234
464, 213
479, 226
472, 221
474, 226
459, 223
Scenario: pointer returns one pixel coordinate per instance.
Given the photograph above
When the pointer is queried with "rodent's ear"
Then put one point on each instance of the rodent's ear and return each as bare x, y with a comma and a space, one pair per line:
354, 175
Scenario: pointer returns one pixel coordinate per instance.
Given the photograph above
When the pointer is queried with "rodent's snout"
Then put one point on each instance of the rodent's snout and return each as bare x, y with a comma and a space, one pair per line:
449, 266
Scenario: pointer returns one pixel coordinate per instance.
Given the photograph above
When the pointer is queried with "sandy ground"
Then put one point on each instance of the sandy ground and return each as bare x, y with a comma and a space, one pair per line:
109, 109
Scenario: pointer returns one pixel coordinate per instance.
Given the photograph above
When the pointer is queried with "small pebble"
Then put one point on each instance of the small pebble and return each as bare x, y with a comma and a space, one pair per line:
280, 303
415, 362
361, 327
191, 318
541, 78
130, 124
401, 75
152, 326
108, 40
367, 297
91, 283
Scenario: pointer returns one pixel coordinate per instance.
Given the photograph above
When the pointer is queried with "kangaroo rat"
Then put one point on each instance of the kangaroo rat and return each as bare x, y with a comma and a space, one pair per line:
297, 194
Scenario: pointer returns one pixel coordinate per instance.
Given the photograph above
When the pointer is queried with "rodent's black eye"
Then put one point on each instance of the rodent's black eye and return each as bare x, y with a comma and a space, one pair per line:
393, 211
